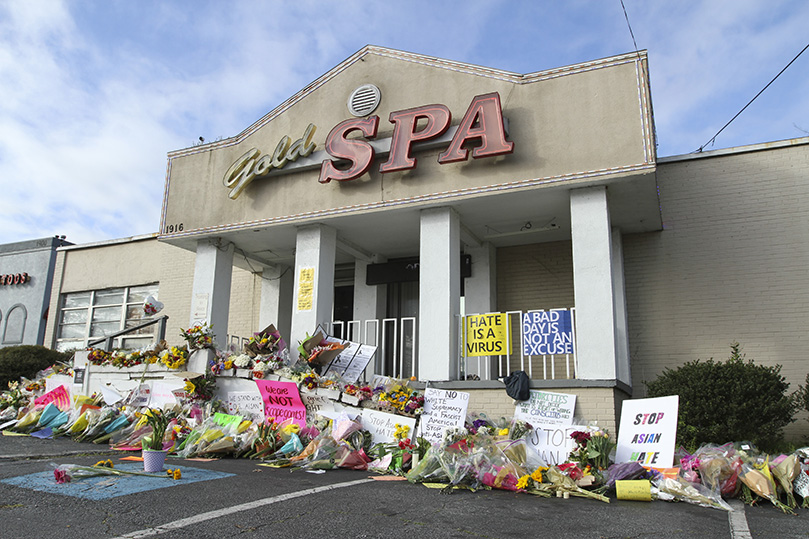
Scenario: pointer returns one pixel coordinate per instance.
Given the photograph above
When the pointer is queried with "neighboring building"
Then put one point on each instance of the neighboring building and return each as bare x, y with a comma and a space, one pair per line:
26, 274
444, 189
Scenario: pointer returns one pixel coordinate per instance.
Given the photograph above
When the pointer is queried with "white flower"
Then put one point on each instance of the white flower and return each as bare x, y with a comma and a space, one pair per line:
241, 361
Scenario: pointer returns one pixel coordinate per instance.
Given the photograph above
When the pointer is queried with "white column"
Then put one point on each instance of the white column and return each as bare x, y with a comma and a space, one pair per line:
210, 297
439, 294
619, 295
480, 296
276, 299
369, 304
315, 252
593, 284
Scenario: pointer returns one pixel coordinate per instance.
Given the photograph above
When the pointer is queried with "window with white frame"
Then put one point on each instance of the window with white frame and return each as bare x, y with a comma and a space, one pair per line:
85, 316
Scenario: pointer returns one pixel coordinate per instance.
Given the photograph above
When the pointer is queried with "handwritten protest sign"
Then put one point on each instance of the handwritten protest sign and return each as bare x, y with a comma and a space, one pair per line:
546, 408
547, 332
648, 431
318, 404
553, 442
382, 425
486, 334
163, 393
442, 410
59, 396
245, 403
282, 401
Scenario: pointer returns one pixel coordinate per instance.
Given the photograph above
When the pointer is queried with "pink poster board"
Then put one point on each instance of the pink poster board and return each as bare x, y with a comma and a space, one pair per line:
59, 396
282, 401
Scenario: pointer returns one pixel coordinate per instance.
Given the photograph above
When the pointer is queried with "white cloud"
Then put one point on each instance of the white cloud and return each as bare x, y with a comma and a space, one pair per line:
93, 95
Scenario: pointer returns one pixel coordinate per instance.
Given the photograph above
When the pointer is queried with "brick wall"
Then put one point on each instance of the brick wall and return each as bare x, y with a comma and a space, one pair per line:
592, 404
730, 265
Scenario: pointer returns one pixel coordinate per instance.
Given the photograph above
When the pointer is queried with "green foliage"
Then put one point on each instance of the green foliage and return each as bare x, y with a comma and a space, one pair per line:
25, 361
729, 401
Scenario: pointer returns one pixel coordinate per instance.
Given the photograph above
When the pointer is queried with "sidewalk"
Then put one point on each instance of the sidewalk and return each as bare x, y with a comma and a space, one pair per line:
29, 447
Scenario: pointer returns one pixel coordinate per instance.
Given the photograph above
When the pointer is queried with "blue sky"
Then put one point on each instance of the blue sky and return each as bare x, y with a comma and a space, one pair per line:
94, 94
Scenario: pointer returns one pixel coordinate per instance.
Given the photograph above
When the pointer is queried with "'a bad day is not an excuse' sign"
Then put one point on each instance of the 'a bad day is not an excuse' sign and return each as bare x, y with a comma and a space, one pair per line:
547, 332
648, 430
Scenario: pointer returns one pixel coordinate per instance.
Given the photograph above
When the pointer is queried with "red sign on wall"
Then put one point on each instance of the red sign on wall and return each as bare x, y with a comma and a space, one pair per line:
14, 278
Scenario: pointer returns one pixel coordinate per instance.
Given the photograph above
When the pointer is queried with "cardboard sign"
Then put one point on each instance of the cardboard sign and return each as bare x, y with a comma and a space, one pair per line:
648, 431
282, 401
487, 335
382, 425
547, 332
553, 442
545, 408
248, 404
442, 409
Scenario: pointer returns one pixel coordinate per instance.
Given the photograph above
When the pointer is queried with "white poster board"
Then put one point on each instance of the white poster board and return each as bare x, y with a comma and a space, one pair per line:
247, 404
382, 425
163, 393
319, 404
648, 431
545, 408
553, 442
442, 410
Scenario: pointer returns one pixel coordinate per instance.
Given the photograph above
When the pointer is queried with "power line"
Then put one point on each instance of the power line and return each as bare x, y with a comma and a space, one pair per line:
631, 33
713, 138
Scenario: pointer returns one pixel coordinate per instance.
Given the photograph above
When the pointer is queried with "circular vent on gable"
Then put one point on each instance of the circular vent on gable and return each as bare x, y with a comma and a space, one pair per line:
364, 100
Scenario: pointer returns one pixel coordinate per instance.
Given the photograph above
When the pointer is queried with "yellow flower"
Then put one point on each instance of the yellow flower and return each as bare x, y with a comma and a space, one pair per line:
177, 474
228, 364
522, 483
503, 432
537, 475
189, 387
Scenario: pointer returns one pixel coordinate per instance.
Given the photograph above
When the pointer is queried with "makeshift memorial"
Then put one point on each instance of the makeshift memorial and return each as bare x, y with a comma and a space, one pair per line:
198, 336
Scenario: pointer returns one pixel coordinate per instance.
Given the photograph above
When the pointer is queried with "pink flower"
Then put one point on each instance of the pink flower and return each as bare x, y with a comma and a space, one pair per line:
61, 476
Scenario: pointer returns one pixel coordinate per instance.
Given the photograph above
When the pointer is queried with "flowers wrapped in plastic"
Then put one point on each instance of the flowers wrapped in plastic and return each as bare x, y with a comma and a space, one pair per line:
758, 479
719, 468
679, 489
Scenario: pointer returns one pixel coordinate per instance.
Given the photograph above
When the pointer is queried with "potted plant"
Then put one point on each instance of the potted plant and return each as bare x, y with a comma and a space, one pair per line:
154, 456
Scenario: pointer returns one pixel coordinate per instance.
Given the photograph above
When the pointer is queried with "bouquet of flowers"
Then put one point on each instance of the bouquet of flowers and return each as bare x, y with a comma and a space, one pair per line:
174, 357
159, 421
265, 342
98, 357
201, 388
198, 336
593, 448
